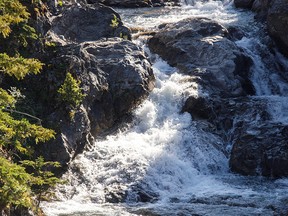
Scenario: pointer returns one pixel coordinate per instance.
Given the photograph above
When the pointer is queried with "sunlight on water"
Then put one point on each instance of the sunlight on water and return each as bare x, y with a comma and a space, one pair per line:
164, 154
221, 11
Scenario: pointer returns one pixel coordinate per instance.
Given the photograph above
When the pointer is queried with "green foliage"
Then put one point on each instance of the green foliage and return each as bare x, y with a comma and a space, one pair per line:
18, 66
6, 100
42, 179
12, 12
125, 37
114, 22
60, 3
17, 134
14, 185
70, 91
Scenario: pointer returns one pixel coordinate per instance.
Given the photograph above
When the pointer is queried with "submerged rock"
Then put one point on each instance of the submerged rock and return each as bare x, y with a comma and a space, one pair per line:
200, 47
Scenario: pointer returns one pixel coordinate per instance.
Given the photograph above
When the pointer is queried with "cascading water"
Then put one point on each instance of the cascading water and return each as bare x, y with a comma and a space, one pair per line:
164, 163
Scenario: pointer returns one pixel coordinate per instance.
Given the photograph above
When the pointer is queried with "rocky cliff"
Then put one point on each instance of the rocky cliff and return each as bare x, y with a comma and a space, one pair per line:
90, 42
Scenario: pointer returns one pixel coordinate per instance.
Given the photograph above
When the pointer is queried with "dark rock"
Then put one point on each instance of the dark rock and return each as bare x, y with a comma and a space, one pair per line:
243, 3
261, 150
115, 76
261, 5
235, 33
260, 146
115, 196
87, 23
199, 108
73, 135
277, 22
224, 114
143, 196
200, 47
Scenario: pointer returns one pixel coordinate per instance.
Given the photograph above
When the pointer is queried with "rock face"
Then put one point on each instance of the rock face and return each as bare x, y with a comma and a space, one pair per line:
200, 47
277, 21
87, 23
115, 74
261, 150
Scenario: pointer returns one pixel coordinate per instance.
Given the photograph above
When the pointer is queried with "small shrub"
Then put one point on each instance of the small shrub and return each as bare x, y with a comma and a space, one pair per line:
114, 22
70, 92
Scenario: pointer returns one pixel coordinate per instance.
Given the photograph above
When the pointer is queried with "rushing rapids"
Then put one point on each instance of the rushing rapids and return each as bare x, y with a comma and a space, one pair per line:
164, 163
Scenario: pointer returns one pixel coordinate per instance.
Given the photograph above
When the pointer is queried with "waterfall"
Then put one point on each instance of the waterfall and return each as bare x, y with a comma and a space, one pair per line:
164, 163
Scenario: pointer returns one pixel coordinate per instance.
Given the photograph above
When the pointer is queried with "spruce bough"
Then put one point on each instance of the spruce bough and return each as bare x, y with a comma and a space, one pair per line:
17, 185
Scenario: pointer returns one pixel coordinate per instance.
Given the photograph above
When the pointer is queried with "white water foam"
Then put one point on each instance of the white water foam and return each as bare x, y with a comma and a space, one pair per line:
165, 153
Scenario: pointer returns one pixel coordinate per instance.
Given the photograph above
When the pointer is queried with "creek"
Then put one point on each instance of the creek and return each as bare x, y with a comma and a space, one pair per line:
163, 162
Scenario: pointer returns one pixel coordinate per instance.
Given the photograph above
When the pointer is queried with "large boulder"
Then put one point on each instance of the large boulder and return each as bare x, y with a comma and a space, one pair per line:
200, 47
277, 21
115, 76
261, 150
86, 23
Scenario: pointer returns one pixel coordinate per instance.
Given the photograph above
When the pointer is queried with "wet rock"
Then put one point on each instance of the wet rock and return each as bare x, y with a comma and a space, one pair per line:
198, 107
144, 196
261, 5
115, 76
86, 23
261, 150
116, 196
260, 146
200, 47
225, 113
235, 33
243, 3
277, 21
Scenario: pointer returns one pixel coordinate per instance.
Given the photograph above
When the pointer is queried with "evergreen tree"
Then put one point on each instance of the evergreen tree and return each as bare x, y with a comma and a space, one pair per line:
15, 134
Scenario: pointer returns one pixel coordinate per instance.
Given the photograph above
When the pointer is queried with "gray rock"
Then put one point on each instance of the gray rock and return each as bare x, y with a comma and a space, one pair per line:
261, 150
200, 47
77, 24
115, 76
277, 22
260, 146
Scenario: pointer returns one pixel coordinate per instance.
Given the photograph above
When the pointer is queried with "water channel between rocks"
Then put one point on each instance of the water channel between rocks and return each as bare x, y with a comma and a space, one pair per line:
165, 159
